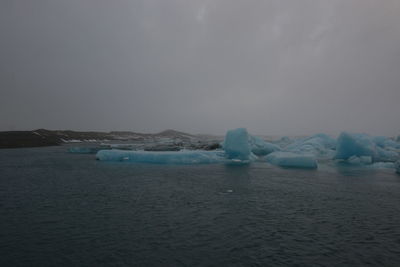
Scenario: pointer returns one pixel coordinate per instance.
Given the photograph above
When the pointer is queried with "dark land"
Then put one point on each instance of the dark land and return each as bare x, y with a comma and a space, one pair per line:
43, 137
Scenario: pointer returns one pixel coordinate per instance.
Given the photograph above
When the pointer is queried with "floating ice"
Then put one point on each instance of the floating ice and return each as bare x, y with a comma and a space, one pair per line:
284, 141
354, 145
382, 165
363, 145
260, 147
292, 160
379, 140
83, 150
385, 155
320, 145
241, 148
236, 144
176, 157
362, 160
385, 142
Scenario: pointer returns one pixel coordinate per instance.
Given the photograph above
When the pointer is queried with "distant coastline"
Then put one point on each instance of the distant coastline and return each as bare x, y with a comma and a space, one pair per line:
43, 137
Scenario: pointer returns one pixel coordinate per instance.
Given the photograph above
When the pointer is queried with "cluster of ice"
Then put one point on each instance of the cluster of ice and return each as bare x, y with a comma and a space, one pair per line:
320, 145
165, 157
385, 142
378, 149
292, 160
241, 147
354, 145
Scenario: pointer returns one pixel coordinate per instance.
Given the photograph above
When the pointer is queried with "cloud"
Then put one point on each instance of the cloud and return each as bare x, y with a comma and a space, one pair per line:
276, 67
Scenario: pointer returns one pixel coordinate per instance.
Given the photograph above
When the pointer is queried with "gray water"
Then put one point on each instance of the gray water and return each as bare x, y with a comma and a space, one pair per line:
61, 209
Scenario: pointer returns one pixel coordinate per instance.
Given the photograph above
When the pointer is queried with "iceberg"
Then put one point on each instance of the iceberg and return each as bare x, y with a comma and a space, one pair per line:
260, 147
165, 157
397, 166
323, 139
385, 155
292, 160
363, 145
349, 145
284, 141
236, 145
385, 142
320, 145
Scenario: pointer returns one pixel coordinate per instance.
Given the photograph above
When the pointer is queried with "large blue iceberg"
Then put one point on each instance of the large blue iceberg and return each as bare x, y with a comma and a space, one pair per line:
168, 157
354, 145
362, 145
237, 146
292, 160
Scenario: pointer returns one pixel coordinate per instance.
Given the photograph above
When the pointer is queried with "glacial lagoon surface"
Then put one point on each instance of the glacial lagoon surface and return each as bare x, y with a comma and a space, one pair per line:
63, 209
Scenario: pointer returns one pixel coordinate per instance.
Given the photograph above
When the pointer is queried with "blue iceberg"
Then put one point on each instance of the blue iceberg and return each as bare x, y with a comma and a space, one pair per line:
385, 142
386, 155
378, 148
236, 145
320, 145
292, 160
349, 145
260, 147
168, 157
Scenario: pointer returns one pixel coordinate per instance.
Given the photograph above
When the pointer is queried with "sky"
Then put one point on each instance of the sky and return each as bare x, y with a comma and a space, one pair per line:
276, 67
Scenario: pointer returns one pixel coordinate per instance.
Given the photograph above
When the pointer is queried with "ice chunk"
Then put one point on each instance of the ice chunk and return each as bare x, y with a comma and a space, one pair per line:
236, 144
292, 160
260, 147
354, 145
385, 142
179, 157
83, 150
283, 141
389, 143
397, 166
363, 160
382, 165
325, 140
320, 145
385, 155
379, 140
363, 145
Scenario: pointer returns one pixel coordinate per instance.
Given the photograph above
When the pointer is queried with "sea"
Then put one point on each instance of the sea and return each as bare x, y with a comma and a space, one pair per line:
64, 209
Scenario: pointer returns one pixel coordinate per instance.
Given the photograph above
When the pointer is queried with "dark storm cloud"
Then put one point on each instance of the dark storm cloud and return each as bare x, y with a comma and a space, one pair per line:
275, 67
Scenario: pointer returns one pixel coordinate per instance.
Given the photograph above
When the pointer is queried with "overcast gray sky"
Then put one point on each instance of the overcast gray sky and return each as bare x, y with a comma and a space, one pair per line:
278, 67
